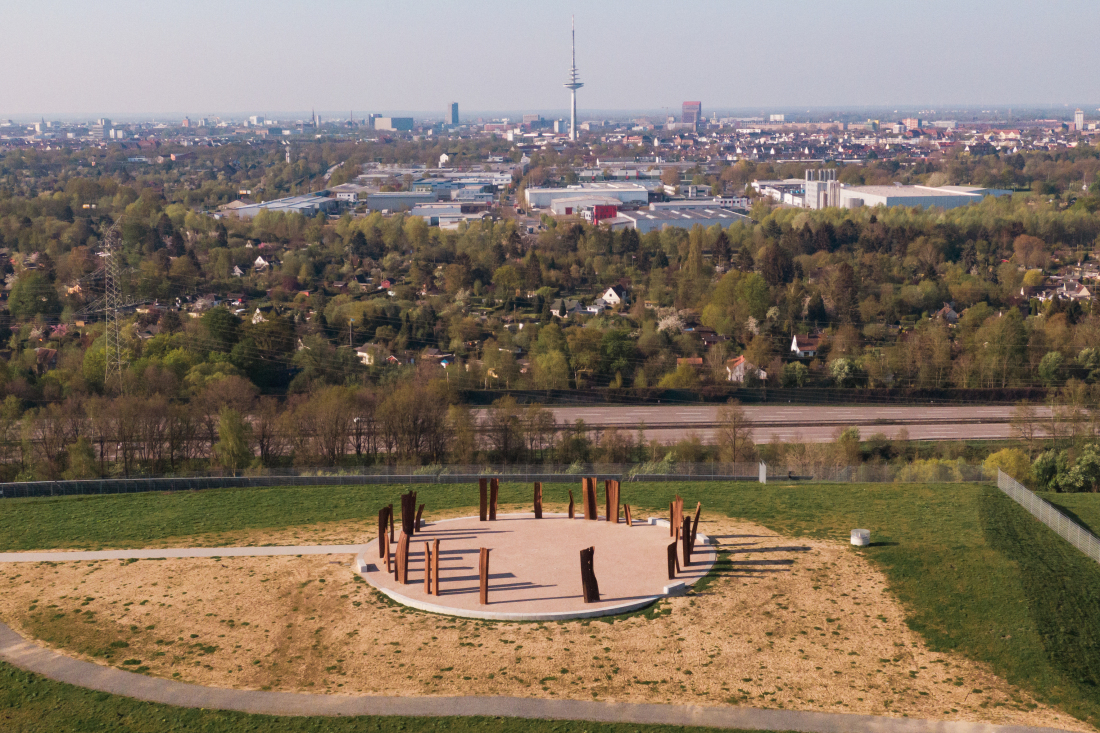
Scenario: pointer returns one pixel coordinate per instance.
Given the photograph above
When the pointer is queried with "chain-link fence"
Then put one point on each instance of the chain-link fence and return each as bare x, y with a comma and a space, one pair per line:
925, 471
1045, 512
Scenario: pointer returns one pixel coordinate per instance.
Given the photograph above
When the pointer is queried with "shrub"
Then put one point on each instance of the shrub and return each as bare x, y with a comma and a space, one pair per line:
1012, 461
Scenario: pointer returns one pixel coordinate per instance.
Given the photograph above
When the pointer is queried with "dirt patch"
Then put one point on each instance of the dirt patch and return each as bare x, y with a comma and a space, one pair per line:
798, 624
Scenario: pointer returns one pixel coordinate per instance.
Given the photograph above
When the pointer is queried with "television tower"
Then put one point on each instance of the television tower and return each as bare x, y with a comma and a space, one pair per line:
573, 85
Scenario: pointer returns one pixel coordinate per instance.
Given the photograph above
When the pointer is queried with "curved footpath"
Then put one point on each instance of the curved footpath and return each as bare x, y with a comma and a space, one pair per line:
34, 658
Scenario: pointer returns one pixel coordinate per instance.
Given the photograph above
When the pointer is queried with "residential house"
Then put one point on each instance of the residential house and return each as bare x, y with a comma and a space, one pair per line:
805, 346
563, 307
260, 265
947, 314
616, 295
237, 271
370, 354
691, 361
738, 368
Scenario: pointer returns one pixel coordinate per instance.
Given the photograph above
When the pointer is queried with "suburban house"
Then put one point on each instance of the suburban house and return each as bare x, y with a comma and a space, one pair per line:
44, 360
737, 369
947, 314
805, 346
370, 354
616, 295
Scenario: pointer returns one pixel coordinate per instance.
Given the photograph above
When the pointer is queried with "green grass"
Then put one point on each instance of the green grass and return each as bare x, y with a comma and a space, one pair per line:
977, 574
32, 704
1085, 508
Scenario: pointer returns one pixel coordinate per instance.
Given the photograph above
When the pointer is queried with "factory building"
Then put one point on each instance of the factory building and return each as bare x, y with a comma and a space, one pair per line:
624, 193
658, 219
945, 197
306, 205
398, 201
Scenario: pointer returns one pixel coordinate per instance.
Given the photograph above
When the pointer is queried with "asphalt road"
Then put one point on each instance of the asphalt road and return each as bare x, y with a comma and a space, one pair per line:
812, 424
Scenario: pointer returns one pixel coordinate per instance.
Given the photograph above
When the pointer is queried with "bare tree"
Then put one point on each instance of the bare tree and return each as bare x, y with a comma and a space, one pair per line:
734, 434
1025, 425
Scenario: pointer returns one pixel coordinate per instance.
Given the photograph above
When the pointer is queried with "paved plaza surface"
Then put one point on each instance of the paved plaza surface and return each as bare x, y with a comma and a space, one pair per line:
534, 566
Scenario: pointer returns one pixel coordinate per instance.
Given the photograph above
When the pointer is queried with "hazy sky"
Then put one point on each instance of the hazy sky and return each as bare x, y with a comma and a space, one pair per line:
88, 57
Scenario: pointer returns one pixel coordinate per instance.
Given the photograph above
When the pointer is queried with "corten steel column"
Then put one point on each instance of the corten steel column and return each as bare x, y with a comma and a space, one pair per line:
427, 569
435, 567
382, 519
483, 572
403, 559
408, 513
385, 542
607, 498
389, 516
626, 510
673, 561
686, 538
419, 514
538, 500
483, 498
695, 524
590, 588
672, 519
572, 506
613, 504
494, 487
590, 510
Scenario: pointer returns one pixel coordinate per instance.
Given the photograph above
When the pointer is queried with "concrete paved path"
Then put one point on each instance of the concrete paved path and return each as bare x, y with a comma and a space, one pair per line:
33, 658
269, 551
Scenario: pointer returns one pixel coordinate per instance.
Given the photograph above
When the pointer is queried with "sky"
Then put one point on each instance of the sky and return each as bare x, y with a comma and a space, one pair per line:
76, 58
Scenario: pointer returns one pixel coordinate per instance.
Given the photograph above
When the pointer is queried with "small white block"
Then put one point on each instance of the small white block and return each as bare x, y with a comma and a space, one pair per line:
675, 589
861, 537
652, 520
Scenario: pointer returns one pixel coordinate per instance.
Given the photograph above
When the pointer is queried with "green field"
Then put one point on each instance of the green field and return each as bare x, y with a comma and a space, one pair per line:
977, 574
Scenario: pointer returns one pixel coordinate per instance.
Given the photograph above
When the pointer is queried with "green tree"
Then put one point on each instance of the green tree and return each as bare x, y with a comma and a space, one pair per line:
33, 295
1050, 368
234, 446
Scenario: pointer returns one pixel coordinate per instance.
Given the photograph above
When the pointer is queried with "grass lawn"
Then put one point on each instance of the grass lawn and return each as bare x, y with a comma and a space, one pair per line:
1085, 508
977, 574
32, 704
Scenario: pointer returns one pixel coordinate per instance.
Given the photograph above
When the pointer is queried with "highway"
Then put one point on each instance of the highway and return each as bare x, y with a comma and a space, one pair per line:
811, 424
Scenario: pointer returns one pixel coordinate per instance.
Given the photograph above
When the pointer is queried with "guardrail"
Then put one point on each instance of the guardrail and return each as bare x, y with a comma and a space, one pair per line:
1048, 514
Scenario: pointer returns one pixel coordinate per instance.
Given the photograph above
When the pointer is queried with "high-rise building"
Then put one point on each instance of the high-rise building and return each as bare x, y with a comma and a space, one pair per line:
454, 113
1079, 120
573, 85
692, 113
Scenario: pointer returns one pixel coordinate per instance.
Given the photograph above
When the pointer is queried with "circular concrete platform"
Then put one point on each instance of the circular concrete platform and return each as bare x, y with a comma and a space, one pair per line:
534, 567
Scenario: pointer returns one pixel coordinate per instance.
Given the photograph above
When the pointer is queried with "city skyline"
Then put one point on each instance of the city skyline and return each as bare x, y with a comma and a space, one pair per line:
102, 59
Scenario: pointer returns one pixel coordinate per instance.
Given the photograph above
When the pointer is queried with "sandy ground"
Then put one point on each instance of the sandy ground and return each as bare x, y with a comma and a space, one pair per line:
799, 624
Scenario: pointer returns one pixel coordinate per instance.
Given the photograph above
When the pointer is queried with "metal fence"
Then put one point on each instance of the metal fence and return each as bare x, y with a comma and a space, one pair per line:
1045, 512
526, 473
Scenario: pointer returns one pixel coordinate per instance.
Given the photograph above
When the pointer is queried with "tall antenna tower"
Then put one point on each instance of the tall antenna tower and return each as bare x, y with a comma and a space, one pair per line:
573, 84
112, 270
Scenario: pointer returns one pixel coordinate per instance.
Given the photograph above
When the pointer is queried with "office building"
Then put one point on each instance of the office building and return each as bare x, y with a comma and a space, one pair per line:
1079, 120
454, 113
256, 120
101, 129
691, 113
394, 124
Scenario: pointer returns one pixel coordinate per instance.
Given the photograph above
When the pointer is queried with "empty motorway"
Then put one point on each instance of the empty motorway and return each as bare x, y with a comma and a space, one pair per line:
812, 424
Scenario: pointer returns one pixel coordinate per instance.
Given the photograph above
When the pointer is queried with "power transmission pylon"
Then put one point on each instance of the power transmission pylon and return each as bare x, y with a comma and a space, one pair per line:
112, 378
